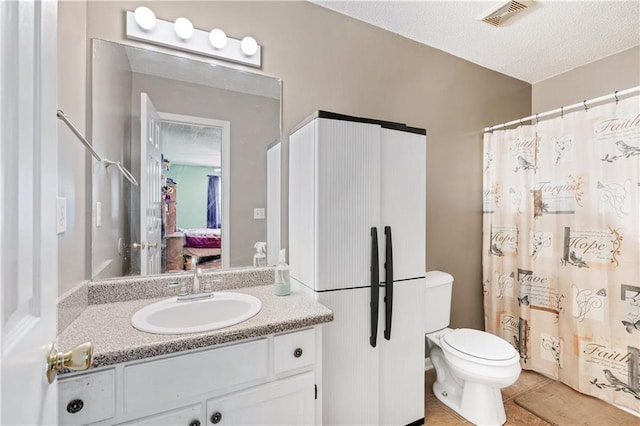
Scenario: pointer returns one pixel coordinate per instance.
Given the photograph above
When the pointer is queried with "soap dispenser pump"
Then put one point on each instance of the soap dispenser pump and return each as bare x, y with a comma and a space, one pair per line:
281, 285
260, 258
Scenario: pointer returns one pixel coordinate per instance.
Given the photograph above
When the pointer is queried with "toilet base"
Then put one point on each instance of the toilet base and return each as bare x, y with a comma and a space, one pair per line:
480, 404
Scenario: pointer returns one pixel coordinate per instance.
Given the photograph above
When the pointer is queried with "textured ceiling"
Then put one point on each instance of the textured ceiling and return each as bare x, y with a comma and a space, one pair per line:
548, 39
191, 144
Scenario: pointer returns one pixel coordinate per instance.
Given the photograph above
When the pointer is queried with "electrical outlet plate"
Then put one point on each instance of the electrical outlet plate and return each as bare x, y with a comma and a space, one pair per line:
61, 215
258, 213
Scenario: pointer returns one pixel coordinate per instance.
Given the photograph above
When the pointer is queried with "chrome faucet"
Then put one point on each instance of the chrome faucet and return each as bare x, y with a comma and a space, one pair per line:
184, 296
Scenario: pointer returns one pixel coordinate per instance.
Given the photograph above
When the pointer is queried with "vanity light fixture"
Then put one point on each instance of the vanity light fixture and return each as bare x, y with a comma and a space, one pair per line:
184, 28
145, 18
142, 25
249, 46
218, 38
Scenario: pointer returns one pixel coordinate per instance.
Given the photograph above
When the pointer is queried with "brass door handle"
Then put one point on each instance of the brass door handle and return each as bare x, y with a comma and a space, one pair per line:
138, 245
152, 245
78, 358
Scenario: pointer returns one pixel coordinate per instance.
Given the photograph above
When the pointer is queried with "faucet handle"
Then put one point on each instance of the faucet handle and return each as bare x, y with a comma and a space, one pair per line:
207, 288
183, 290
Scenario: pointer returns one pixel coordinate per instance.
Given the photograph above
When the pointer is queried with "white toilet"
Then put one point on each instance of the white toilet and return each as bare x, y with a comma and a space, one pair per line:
471, 365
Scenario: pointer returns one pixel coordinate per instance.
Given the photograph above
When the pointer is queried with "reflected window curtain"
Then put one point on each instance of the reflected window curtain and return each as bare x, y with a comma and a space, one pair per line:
213, 203
561, 247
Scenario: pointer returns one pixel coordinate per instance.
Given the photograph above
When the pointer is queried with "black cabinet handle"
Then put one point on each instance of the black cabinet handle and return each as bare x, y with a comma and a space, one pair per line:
297, 353
194, 423
75, 406
216, 417
375, 287
388, 267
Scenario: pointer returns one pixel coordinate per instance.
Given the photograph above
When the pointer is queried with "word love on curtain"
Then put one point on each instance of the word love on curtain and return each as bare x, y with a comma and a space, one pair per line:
561, 257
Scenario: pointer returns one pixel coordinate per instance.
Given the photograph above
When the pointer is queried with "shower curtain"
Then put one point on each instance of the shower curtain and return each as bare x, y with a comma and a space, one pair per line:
561, 257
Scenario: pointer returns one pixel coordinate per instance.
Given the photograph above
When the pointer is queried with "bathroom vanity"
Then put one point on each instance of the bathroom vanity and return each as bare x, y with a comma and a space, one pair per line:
266, 370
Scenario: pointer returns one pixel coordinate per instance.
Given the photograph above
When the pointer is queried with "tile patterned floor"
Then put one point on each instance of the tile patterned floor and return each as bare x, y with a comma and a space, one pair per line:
438, 414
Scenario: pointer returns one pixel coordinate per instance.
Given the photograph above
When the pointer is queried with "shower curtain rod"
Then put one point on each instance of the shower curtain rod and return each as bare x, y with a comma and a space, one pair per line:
126, 173
584, 104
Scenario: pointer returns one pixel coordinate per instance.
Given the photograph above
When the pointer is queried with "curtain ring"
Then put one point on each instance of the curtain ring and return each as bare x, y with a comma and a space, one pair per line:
521, 122
615, 95
537, 121
561, 112
586, 108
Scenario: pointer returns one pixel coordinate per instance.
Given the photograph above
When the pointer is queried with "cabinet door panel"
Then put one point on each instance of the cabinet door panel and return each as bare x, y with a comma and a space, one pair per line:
404, 201
349, 364
402, 357
347, 202
285, 402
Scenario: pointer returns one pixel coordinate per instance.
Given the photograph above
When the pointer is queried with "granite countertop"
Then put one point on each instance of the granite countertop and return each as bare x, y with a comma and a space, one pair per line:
108, 327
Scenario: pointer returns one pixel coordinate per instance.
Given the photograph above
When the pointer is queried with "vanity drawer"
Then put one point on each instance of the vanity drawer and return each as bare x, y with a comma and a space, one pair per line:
152, 385
294, 350
86, 399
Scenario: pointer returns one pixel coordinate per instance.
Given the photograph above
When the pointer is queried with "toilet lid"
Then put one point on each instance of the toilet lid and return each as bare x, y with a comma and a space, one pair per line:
479, 344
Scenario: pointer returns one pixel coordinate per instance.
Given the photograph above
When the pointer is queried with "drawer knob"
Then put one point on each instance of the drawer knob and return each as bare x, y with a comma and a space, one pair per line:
194, 423
75, 406
297, 353
216, 417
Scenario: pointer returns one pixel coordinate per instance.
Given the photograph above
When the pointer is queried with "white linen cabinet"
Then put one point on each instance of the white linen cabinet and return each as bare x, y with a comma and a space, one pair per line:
357, 190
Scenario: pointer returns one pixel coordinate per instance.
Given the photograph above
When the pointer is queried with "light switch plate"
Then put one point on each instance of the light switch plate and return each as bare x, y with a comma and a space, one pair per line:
61, 215
258, 213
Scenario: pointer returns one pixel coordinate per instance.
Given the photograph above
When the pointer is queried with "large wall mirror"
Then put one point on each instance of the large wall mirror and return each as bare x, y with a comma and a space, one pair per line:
198, 137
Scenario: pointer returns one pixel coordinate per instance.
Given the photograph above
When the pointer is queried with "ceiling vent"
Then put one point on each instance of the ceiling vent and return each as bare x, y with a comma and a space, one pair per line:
506, 11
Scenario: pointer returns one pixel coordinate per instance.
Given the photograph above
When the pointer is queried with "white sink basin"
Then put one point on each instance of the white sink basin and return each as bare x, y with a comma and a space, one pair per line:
172, 317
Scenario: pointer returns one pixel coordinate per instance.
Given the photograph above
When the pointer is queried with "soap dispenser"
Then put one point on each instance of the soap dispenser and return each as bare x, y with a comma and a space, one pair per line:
260, 258
281, 285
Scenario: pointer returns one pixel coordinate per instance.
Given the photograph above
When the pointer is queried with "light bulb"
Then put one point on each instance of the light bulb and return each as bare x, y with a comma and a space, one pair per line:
184, 28
249, 46
145, 18
218, 38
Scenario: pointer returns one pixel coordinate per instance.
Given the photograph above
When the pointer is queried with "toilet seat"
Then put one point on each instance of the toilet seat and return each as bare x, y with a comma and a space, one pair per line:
479, 347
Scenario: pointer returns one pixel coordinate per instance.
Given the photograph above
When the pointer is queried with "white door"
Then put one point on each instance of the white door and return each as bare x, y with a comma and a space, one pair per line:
347, 200
402, 357
403, 202
150, 191
350, 386
286, 402
28, 176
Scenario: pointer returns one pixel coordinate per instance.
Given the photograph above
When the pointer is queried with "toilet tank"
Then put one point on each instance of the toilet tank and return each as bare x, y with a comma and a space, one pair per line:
437, 300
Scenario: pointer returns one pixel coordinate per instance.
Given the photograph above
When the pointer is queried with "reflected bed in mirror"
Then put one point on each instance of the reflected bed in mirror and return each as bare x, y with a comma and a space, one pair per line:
197, 136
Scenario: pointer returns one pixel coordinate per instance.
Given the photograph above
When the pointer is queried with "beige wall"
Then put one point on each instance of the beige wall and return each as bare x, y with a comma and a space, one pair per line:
329, 61
74, 255
616, 72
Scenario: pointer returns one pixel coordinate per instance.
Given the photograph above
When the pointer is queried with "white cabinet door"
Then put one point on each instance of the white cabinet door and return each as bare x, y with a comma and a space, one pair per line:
403, 205
285, 402
335, 187
188, 416
350, 365
402, 357
347, 201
